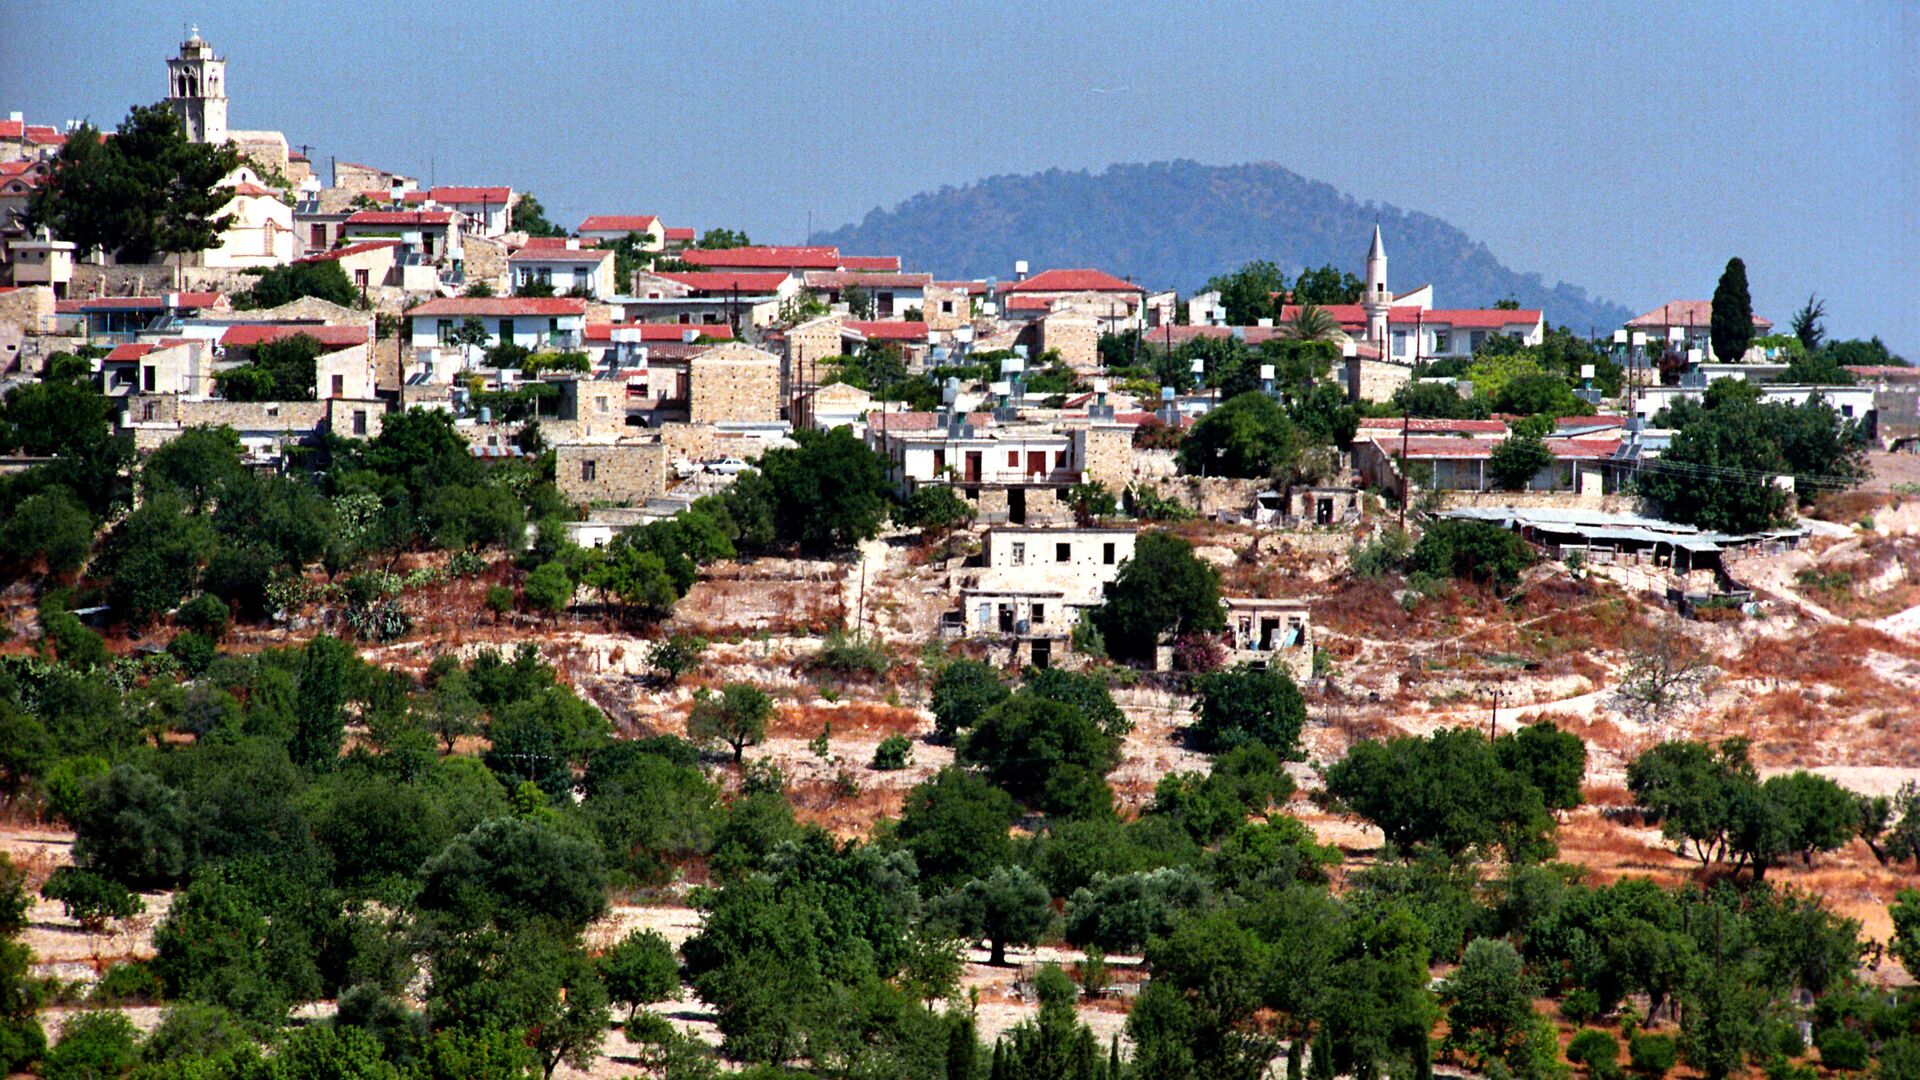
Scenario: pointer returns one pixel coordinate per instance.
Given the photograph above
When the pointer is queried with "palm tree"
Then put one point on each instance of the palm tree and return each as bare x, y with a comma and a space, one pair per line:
1310, 323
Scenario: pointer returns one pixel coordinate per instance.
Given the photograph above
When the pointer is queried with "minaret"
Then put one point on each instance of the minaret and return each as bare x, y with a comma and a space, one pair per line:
197, 90
1376, 300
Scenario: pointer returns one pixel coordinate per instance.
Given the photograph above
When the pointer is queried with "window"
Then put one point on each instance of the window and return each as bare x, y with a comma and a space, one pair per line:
1039, 614
1107, 553
1476, 339
1399, 343
147, 378
1013, 459
1846, 411
939, 461
339, 386
1442, 342
146, 410
445, 330
361, 279
589, 470
359, 421
1063, 552
602, 402
1019, 554
946, 307
506, 331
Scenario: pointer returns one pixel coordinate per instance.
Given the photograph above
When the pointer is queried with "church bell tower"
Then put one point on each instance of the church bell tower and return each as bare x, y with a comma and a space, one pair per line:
197, 90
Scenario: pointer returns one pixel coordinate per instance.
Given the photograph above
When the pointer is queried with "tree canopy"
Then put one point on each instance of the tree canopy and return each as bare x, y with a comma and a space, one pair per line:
145, 192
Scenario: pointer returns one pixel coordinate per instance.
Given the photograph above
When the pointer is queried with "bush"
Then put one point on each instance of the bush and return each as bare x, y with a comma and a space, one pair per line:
1652, 1055
92, 1045
90, 899
1384, 555
894, 752
1841, 1048
1597, 1050
194, 651
131, 983
204, 614
850, 655
1473, 550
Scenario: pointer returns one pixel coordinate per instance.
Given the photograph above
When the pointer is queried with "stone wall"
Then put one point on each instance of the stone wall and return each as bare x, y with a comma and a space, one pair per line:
1107, 456
622, 472
1075, 336
1375, 380
362, 179
1208, 496
694, 442
486, 260
810, 346
28, 309
944, 321
144, 279
733, 382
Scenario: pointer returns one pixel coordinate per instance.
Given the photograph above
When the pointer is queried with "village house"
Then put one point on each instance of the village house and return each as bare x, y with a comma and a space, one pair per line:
1687, 325
434, 234
889, 296
1012, 472
1119, 304
610, 227
570, 270
258, 225
18, 181
485, 211
556, 323
1269, 635
376, 264
1030, 586
21, 141
344, 368
121, 318
624, 471
738, 300
40, 260
733, 381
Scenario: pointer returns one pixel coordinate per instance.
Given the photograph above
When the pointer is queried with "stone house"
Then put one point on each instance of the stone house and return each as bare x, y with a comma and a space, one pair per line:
1267, 634
1031, 585
733, 382
259, 225
626, 471
556, 322
893, 296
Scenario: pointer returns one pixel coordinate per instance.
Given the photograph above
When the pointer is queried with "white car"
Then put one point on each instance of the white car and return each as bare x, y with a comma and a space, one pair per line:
730, 466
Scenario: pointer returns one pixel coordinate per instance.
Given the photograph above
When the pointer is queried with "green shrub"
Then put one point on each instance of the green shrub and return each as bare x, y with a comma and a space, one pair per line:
1384, 555
1597, 1050
194, 650
1841, 1048
204, 614
850, 655
1651, 1055
90, 899
894, 752
131, 983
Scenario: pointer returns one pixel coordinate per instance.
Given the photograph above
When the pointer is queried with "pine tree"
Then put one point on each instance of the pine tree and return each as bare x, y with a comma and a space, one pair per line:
1732, 330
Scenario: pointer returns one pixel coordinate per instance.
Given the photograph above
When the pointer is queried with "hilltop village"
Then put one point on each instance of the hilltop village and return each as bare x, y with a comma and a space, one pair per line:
443, 642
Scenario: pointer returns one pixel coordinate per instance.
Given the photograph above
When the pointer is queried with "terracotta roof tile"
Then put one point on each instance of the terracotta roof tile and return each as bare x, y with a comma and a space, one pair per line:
1072, 281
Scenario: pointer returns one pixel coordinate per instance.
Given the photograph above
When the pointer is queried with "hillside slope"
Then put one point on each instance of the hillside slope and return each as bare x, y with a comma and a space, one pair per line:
1175, 224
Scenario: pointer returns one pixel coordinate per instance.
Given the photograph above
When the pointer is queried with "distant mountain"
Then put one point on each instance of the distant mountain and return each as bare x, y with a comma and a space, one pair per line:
1176, 224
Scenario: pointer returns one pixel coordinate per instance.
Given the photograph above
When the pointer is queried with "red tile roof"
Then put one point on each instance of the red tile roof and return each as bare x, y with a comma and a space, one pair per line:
888, 331
1072, 281
805, 258
1465, 318
726, 281
1685, 313
971, 288
351, 249
132, 350
248, 335
12, 129
872, 263
657, 332
620, 223
471, 195
505, 306
1029, 303
401, 217
44, 136
687, 234
550, 242
840, 279
1393, 424
253, 191
560, 254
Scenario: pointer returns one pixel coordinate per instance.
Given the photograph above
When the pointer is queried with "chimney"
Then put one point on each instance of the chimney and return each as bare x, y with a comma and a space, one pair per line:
573, 243
688, 337
17, 117
1020, 270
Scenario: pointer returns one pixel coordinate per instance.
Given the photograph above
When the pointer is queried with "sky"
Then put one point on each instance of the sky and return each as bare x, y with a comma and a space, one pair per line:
1628, 148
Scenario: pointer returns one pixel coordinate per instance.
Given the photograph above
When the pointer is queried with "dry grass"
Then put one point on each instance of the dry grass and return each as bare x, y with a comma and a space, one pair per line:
805, 719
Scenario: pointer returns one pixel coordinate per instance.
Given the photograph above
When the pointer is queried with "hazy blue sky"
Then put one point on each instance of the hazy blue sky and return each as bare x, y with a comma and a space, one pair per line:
1627, 148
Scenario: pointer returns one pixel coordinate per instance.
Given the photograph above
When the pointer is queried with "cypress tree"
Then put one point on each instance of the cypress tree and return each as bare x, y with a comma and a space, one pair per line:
963, 1048
1732, 330
1113, 1060
999, 1069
